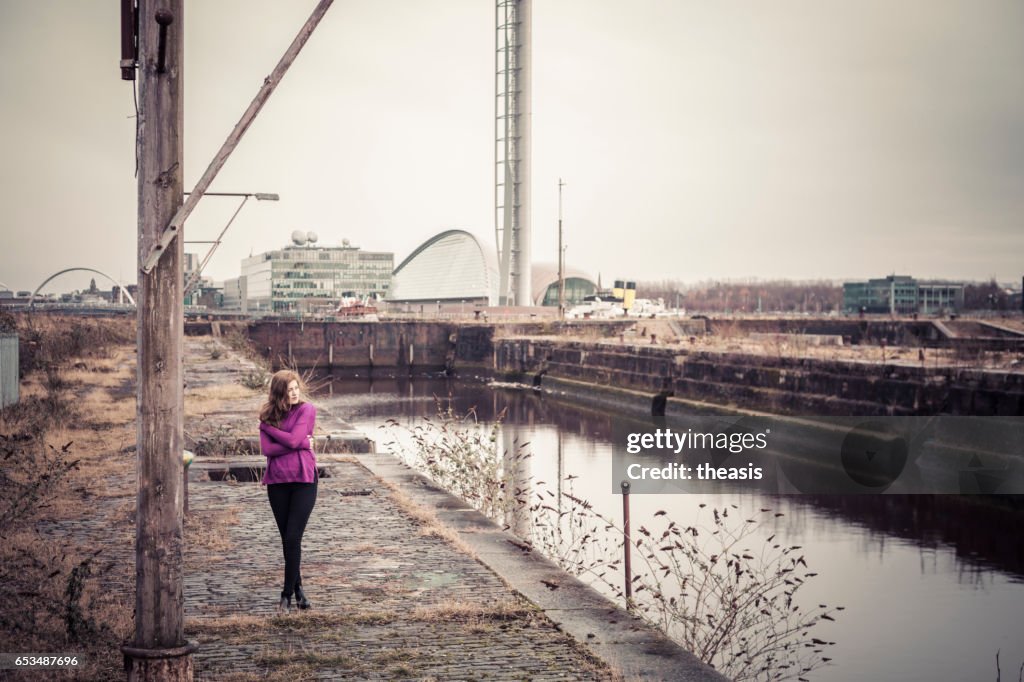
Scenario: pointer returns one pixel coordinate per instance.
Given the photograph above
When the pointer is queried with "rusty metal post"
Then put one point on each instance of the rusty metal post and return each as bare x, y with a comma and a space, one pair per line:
627, 545
187, 458
129, 29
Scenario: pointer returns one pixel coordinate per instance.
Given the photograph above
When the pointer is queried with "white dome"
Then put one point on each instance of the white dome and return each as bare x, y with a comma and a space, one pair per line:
450, 266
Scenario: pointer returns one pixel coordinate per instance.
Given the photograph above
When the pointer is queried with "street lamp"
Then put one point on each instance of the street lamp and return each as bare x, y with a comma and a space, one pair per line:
260, 196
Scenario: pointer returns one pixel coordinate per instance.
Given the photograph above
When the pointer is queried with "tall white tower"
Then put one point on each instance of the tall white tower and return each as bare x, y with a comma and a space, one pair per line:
512, 114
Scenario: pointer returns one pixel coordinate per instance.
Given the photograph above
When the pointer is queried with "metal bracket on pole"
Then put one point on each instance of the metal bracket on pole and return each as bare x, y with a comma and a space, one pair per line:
269, 84
197, 275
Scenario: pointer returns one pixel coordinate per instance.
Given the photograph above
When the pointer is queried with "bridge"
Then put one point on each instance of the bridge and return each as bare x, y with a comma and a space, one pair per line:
31, 299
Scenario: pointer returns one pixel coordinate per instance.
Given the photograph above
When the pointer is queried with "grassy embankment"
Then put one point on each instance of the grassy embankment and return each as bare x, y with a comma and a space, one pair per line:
68, 493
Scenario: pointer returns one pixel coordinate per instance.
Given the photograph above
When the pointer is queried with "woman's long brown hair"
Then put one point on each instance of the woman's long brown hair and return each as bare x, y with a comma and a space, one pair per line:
277, 407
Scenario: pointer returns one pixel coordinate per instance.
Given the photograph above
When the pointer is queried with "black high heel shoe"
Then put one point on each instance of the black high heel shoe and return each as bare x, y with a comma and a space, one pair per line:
300, 598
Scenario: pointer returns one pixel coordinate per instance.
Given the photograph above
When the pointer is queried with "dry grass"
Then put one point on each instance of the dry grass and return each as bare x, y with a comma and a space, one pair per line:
431, 526
306, 656
337, 459
240, 628
92, 377
62, 589
201, 401
105, 470
207, 537
460, 611
102, 617
99, 406
221, 392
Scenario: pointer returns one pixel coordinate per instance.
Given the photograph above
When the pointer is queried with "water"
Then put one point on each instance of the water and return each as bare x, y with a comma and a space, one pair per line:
933, 586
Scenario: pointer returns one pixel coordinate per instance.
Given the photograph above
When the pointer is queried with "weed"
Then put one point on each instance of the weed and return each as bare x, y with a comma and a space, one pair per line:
27, 482
53, 449
464, 457
710, 585
257, 379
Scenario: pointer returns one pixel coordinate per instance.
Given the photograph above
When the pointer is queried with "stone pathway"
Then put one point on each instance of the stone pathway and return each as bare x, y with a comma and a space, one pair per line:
393, 599
390, 601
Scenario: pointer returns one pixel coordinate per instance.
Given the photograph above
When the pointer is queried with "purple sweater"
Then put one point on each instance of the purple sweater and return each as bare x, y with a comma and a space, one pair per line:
289, 457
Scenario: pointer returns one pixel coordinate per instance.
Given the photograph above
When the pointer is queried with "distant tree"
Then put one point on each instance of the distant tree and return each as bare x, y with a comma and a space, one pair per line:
820, 296
985, 296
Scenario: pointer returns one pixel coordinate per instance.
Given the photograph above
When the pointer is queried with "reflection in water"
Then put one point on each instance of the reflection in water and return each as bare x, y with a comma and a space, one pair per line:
983, 530
904, 619
518, 516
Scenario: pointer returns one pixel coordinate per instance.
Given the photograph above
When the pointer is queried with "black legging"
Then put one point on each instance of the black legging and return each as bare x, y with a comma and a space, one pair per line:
292, 504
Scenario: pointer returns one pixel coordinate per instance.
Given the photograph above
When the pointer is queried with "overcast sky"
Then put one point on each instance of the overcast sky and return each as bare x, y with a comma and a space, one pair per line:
810, 139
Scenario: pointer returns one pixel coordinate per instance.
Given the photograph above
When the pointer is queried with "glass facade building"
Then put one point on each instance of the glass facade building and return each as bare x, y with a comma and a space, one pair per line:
303, 279
902, 295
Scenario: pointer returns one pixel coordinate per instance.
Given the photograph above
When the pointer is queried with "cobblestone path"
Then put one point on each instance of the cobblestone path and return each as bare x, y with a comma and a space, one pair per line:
392, 598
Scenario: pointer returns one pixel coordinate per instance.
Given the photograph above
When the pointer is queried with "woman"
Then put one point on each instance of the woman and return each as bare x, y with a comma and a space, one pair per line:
286, 438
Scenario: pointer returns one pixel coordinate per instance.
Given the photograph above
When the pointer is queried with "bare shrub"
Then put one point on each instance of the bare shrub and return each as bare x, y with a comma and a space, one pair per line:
716, 586
464, 457
257, 379
53, 341
27, 482
51, 597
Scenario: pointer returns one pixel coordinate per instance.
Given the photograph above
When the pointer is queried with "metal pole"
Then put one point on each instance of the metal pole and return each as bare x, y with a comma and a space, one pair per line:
129, 29
561, 479
197, 275
627, 545
524, 109
561, 256
159, 650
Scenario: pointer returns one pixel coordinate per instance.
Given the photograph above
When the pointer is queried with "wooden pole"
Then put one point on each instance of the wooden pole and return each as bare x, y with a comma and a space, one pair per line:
159, 650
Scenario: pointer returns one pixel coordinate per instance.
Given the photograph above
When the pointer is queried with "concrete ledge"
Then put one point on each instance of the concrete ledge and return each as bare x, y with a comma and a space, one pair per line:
336, 442
624, 641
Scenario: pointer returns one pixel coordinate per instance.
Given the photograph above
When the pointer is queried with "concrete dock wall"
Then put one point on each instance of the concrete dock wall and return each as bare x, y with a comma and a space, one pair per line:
964, 334
394, 346
765, 383
397, 346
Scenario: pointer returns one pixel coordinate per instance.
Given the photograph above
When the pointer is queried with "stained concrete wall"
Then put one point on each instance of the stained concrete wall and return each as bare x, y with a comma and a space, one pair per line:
758, 382
769, 384
402, 346
395, 346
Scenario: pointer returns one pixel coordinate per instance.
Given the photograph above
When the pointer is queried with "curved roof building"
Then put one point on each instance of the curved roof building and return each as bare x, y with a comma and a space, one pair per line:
449, 267
544, 285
